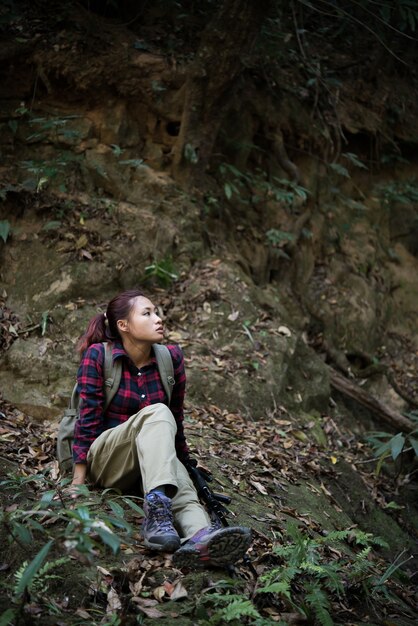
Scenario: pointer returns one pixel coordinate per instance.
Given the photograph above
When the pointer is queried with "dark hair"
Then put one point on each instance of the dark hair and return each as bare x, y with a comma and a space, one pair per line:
104, 326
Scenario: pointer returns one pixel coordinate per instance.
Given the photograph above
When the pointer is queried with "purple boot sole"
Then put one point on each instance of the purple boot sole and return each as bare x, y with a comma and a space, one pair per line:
219, 548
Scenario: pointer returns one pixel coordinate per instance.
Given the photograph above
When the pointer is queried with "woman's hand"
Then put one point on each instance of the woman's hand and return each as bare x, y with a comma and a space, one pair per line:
79, 478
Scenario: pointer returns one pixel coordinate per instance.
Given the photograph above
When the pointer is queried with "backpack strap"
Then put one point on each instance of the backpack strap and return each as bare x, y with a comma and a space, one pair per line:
112, 374
165, 368
74, 401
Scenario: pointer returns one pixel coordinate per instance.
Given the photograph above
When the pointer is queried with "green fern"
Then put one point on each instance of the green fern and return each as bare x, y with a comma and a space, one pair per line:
328, 574
282, 588
361, 566
235, 610
334, 536
378, 541
285, 574
42, 578
320, 605
235, 606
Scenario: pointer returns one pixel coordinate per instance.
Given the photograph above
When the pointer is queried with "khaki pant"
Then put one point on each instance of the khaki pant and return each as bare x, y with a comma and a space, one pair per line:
141, 453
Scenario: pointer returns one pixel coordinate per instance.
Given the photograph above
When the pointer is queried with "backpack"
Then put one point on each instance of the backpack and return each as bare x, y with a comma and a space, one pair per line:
112, 376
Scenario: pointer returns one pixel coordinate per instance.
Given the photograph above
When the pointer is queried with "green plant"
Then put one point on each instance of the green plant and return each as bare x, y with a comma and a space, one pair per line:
7, 617
388, 447
46, 171
35, 577
44, 129
223, 603
276, 237
259, 186
403, 192
85, 529
403, 13
87, 526
136, 163
352, 158
4, 229
277, 240
162, 271
311, 576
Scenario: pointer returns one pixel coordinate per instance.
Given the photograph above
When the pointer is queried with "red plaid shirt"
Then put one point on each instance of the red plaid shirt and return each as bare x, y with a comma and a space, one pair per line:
138, 388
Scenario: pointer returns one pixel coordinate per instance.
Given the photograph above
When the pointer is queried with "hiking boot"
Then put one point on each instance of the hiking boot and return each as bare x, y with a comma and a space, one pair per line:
214, 546
157, 528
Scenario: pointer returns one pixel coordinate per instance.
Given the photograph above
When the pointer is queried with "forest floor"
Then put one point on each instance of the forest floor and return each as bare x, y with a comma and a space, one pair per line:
89, 565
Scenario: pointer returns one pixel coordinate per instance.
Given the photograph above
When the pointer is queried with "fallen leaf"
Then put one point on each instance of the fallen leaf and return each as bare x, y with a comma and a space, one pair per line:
260, 488
82, 613
300, 435
81, 242
113, 601
159, 593
178, 591
33, 609
103, 571
145, 601
169, 587
149, 611
325, 490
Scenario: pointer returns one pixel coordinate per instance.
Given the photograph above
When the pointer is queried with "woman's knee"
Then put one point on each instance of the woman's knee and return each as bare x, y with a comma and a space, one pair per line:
150, 415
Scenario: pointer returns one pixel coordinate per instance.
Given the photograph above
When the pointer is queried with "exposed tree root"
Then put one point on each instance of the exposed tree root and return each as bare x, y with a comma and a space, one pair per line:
355, 392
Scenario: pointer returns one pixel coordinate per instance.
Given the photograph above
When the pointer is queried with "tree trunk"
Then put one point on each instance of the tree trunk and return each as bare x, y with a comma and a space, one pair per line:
226, 40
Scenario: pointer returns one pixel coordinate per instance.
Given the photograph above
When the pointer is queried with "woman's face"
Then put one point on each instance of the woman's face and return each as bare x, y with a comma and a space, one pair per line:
143, 322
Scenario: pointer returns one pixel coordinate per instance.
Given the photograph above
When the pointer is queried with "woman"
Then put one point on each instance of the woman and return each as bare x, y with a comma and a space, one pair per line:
138, 441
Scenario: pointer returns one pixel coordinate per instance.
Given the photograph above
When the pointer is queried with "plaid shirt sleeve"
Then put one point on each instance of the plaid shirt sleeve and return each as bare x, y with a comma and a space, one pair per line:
177, 400
90, 386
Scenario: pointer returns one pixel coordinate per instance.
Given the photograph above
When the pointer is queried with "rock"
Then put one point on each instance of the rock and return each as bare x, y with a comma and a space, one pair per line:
37, 376
306, 383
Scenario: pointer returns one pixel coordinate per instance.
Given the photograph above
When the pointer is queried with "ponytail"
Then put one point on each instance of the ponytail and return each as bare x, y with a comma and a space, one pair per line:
103, 326
97, 331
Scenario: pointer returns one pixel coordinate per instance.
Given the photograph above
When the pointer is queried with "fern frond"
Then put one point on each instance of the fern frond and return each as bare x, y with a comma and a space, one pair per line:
328, 573
271, 576
284, 574
312, 568
361, 564
289, 573
318, 601
333, 579
237, 609
40, 579
378, 541
50, 565
19, 573
362, 538
281, 587
334, 536
221, 598
283, 551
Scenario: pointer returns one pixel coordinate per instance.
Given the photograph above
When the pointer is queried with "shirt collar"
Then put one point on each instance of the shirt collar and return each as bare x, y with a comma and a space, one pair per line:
119, 351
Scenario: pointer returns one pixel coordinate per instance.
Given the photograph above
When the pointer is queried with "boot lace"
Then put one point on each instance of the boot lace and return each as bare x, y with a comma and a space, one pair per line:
161, 514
